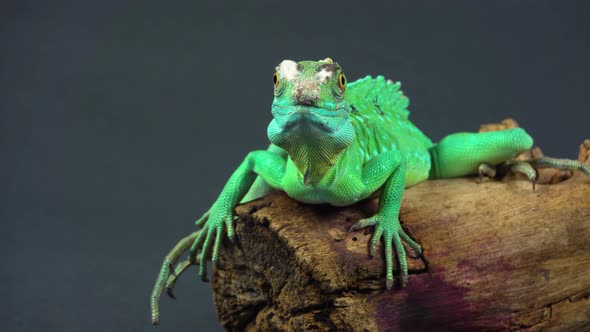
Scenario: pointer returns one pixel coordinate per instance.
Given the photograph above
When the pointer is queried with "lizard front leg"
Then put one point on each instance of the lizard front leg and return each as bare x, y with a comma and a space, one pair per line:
388, 171
267, 165
270, 167
217, 221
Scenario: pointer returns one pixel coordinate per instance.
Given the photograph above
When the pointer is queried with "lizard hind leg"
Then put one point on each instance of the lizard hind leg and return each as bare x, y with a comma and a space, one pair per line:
463, 154
530, 167
491, 154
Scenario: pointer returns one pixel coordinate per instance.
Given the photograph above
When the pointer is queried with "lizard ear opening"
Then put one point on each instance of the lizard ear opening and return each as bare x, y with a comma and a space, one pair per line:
342, 81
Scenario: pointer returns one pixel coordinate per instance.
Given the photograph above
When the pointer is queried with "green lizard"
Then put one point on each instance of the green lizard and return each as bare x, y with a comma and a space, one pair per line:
338, 143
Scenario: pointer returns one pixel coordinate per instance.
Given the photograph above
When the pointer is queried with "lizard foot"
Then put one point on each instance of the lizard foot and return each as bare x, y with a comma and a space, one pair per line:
507, 167
391, 231
210, 237
529, 167
168, 274
207, 238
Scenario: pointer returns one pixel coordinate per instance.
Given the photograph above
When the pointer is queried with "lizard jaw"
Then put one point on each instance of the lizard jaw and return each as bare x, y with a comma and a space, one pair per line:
307, 122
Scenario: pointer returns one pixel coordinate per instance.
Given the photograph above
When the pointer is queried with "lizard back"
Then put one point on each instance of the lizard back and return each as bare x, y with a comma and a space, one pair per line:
380, 118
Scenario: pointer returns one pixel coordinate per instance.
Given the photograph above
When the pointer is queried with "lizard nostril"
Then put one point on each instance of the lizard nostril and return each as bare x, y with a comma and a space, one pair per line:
305, 101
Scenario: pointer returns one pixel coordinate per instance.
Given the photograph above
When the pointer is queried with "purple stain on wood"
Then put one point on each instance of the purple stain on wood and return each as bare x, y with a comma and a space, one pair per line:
429, 303
426, 304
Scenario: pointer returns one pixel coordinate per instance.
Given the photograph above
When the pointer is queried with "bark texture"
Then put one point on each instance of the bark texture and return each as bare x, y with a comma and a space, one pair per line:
497, 256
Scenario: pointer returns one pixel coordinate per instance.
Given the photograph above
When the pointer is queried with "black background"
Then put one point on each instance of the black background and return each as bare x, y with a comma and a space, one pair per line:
121, 121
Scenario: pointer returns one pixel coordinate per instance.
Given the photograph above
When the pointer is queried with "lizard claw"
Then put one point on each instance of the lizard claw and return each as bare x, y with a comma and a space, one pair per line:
232, 238
389, 283
363, 223
486, 170
170, 293
180, 268
404, 280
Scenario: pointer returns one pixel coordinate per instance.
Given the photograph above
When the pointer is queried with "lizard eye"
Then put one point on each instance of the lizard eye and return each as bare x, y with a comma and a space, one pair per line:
275, 79
342, 81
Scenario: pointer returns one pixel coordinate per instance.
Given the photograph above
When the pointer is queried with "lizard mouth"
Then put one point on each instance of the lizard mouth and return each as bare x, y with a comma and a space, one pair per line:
308, 119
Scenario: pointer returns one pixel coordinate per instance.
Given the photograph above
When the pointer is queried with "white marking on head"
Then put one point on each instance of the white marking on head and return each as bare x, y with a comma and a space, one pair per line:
324, 75
288, 70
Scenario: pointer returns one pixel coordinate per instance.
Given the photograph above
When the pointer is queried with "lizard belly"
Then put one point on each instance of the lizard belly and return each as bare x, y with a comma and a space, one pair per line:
314, 195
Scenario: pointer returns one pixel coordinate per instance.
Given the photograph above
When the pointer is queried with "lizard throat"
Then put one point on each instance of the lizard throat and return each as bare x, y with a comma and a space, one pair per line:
314, 151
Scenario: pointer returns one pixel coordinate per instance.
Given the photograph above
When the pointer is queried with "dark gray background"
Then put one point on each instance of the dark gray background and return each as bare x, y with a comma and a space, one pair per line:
121, 121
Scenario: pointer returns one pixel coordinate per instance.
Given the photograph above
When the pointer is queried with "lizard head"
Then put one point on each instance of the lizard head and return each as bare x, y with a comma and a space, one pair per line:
309, 98
310, 111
